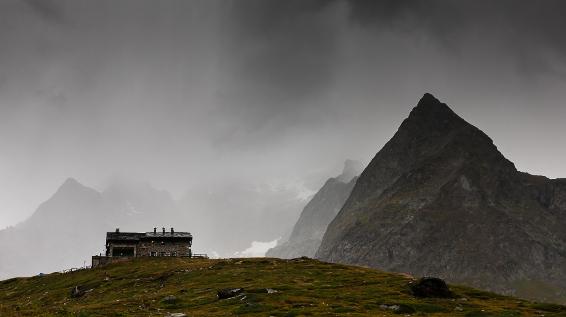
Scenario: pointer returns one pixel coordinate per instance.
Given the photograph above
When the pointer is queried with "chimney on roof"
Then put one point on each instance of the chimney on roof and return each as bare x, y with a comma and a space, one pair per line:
117, 230
154, 230
172, 231
163, 230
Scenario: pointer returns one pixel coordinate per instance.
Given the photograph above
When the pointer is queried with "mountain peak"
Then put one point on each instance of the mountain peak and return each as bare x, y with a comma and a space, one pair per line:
72, 186
440, 193
429, 106
428, 97
431, 116
71, 182
352, 168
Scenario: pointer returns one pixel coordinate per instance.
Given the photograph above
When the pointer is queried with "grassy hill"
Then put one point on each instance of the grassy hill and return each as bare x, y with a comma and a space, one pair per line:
303, 287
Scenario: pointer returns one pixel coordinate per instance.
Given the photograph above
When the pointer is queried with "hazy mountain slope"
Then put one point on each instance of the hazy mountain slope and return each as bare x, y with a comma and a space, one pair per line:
62, 233
229, 217
440, 199
317, 214
70, 227
140, 207
167, 286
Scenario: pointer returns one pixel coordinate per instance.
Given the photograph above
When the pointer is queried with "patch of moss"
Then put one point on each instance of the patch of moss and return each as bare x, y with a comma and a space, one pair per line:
478, 313
429, 308
553, 308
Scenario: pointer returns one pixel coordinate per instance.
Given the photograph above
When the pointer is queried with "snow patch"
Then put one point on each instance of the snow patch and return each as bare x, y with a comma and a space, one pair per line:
257, 249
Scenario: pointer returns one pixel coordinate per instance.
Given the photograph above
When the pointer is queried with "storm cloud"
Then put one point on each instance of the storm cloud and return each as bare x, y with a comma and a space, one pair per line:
185, 94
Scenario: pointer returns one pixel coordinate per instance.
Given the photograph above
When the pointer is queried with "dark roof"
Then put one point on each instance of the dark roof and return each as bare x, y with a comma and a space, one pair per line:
124, 236
136, 236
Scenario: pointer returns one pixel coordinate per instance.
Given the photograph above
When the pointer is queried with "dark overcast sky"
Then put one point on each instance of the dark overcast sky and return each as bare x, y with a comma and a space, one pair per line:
278, 92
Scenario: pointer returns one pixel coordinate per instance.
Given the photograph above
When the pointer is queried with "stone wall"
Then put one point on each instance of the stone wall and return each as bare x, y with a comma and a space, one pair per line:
163, 249
101, 260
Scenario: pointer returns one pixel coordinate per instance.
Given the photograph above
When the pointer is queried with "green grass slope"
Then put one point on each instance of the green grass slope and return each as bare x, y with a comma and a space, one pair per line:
304, 287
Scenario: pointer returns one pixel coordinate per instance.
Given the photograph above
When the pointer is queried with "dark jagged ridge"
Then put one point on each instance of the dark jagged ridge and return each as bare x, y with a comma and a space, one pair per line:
440, 199
317, 214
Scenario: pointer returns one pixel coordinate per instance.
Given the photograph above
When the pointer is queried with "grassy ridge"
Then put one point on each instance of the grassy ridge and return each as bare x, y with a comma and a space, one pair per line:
304, 287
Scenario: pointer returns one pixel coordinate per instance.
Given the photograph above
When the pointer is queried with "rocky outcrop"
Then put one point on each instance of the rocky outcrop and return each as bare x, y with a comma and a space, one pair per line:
439, 199
317, 214
430, 287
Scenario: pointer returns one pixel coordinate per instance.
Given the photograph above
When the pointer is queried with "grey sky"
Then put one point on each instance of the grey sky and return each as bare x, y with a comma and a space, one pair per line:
184, 93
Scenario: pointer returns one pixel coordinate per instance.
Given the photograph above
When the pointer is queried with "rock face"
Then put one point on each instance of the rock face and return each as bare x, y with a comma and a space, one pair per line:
440, 200
317, 214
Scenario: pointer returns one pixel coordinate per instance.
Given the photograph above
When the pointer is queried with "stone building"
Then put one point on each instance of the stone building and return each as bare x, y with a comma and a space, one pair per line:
126, 245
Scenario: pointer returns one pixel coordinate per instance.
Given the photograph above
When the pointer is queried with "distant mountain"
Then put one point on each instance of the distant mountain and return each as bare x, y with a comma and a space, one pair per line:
139, 206
67, 229
229, 217
63, 232
439, 199
317, 214
70, 227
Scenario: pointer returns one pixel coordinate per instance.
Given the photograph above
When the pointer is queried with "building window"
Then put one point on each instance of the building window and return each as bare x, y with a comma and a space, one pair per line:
152, 253
123, 251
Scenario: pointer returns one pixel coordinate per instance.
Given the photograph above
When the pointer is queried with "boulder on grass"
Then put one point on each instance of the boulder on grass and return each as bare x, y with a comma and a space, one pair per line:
430, 287
170, 299
77, 292
229, 292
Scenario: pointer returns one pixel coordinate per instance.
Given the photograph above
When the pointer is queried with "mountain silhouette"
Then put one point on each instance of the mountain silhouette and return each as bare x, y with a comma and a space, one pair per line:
439, 199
